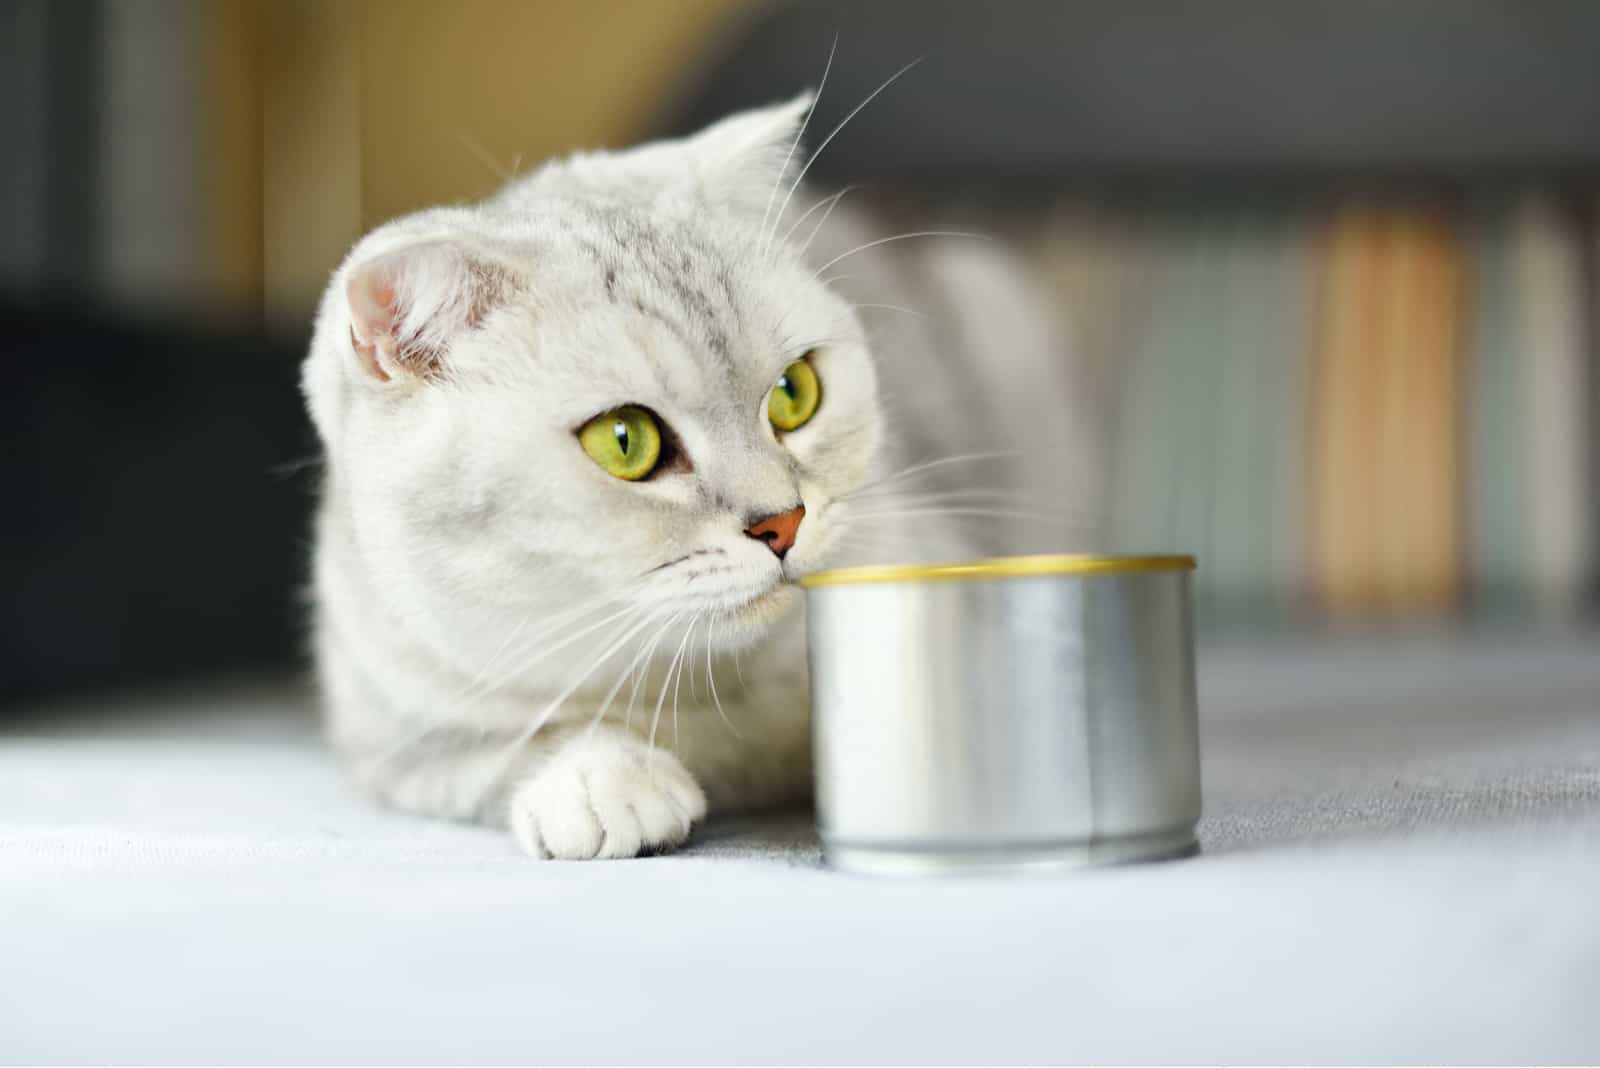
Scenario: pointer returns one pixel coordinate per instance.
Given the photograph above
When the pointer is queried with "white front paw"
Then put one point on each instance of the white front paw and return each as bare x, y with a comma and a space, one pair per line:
606, 796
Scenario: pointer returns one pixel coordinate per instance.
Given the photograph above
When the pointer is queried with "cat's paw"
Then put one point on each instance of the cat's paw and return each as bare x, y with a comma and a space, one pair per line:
606, 797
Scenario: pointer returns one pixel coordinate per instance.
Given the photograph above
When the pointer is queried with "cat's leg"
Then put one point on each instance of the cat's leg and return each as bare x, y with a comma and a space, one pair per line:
568, 790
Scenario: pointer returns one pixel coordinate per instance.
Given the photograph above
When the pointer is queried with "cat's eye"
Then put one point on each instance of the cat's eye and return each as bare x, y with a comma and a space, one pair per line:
626, 442
793, 401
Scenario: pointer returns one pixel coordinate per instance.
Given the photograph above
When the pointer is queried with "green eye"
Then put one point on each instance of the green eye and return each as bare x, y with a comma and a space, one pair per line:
793, 401
626, 442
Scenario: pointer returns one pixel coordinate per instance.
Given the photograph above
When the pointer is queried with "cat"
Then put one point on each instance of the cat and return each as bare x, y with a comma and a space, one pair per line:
581, 440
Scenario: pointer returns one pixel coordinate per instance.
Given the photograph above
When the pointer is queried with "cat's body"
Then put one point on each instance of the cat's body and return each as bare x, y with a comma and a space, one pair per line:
506, 632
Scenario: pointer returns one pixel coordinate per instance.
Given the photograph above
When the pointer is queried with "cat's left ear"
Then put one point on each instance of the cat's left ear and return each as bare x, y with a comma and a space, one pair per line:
409, 305
742, 158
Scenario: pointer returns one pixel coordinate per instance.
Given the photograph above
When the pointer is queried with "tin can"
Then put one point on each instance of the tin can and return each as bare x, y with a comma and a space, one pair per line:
1013, 713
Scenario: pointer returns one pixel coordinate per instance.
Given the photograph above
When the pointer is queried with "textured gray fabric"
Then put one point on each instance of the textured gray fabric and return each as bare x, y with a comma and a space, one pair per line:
1398, 731
1402, 855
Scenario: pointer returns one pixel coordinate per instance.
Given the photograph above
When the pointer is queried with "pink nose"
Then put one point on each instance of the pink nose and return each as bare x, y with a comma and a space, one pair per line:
778, 531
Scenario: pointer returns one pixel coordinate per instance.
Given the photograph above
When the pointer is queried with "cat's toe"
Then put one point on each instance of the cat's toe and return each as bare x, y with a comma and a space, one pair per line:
622, 806
551, 816
655, 805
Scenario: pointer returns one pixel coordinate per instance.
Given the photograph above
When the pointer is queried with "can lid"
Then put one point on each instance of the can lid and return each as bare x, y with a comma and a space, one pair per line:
1001, 567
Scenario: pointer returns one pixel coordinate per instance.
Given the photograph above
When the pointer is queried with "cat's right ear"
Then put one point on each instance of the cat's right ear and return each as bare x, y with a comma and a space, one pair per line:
409, 305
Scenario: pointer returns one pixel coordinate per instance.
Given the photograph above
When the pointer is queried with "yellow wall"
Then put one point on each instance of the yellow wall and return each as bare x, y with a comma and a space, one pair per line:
513, 80
373, 108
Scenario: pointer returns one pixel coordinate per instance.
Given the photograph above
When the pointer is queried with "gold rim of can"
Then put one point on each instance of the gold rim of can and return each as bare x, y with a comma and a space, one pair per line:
1001, 567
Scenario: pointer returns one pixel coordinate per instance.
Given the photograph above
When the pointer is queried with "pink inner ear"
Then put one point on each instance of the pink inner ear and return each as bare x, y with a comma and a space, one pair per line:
375, 319
368, 351
372, 320
408, 305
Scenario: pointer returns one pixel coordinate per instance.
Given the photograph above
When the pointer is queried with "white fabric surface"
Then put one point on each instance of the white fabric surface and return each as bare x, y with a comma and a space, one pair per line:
1402, 864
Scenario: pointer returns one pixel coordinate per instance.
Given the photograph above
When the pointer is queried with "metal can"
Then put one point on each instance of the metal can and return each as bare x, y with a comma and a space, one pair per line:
1013, 713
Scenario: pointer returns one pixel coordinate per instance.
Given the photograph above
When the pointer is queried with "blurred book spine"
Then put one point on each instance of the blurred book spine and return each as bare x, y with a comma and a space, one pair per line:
1364, 406
1552, 322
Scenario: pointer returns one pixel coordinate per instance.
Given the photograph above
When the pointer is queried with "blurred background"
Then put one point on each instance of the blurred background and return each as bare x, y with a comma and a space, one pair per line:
1332, 267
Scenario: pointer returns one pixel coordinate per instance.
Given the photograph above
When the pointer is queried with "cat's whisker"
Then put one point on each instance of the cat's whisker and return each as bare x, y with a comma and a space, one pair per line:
661, 698
550, 708
289, 468
461, 703
622, 678
835, 133
929, 465
986, 513
1014, 498
644, 666
887, 240
694, 690
711, 679
893, 493
564, 620
545, 651
892, 307
867, 540
499, 651
482, 155
766, 237
830, 202
689, 665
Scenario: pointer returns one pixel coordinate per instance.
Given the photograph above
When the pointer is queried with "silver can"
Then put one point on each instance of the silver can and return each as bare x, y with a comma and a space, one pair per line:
1022, 712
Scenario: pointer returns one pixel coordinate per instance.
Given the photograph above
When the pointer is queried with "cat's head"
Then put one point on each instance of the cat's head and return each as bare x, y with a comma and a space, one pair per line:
615, 379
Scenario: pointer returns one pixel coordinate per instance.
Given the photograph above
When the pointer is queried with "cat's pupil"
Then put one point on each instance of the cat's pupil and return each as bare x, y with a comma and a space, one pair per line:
620, 429
787, 386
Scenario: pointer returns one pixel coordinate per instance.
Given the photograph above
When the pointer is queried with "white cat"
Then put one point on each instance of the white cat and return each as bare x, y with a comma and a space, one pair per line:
581, 440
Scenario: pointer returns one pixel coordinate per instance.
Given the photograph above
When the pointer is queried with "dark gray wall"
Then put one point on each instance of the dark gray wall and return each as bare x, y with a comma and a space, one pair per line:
1160, 87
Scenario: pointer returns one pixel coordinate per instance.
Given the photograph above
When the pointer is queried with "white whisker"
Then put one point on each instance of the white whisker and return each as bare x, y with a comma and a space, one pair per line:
929, 465
465, 698
622, 678
835, 133
550, 708
549, 650
892, 238
679, 687
661, 699
547, 626
499, 651
793, 145
711, 679
644, 667
830, 202
482, 155
989, 513
892, 307
964, 497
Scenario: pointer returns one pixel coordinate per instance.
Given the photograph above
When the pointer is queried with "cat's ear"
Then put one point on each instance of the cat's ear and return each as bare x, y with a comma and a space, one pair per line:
744, 156
408, 305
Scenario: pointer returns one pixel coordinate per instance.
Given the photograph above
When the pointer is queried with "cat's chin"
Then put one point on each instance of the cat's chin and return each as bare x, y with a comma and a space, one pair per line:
765, 608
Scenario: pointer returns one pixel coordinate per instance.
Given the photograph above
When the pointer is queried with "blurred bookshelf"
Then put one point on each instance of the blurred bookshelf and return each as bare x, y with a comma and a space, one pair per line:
1346, 405
1330, 267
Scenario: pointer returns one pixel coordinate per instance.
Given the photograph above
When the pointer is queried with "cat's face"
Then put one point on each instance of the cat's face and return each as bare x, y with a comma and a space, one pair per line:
612, 381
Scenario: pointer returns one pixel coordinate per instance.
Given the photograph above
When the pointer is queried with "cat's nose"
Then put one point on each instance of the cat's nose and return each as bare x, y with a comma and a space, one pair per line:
778, 531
